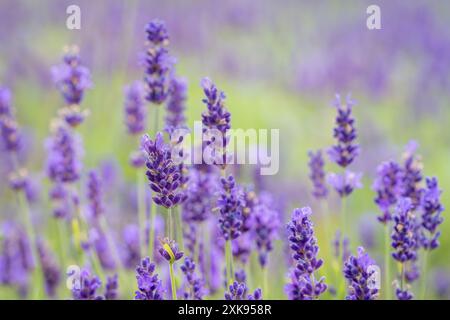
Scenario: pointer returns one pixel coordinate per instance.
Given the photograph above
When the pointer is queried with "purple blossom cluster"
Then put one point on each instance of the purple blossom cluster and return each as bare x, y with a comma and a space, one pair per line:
176, 104
72, 79
317, 174
158, 62
431, 214
164, 175
304, 247
360, 272
230, 205
194, 285
238, 291
134, 108
387, 186
149, 285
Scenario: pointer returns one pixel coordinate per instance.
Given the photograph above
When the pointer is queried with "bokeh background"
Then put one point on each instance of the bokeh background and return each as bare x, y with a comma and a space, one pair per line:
280, 64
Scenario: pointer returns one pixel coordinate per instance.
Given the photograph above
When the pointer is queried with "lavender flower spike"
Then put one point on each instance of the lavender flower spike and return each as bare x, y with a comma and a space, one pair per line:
387, 186
345, 183
265, 225
431, 214
195, 285
238, 291
111, 287
164, 175
87, 288
135, 111
345, 150
359, 271
304, 246
50, 269
94, 194
403, 240
169, 250
216, 117
317, 174
150, 287
176, 104
72, 80
411, 174
230, 204
158, 63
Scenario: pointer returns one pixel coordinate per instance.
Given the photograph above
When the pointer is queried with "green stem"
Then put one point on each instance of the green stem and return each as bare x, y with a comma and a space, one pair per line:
402, 277
229, 262
141, 211
151, 238
156, 119
424, 275
387, 272
172, 282
178, 230
170, 223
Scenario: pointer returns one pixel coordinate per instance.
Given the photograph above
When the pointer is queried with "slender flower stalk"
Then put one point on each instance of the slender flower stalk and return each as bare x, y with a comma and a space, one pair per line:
85, 288
317, 174
238, 291
194, 285
169, 251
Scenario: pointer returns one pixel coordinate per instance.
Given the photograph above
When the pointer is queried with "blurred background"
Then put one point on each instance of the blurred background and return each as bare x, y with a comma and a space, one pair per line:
280, 64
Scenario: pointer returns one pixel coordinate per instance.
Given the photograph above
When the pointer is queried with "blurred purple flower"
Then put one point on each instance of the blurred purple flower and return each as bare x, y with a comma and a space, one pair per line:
317, 174
50, 269
135, 111
111, 287
345, 183
150, 287
431, 214
387, 186
176, 104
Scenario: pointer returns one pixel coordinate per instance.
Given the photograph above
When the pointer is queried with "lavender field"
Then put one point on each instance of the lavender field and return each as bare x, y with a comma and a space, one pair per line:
345, 199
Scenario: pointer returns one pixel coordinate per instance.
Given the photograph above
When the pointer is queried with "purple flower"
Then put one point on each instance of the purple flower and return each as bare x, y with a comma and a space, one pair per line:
199, 207
158, 63
317, 174
345, 183
94, 194
216, 117
10, 133
195, 290
431, 214
230, 204
87, 287
251, 200
131, 255
403, 294
403, 238
111, 287
60, 196
150, 287
411, 174
64, 153
242, 247
18, 180
345, 150
359, 272
265, 226
176, 104
5, 102
387, 186
164, 175
72, 78
304, 246
50, 269
169, 250
156, 32
238, 291
135, 111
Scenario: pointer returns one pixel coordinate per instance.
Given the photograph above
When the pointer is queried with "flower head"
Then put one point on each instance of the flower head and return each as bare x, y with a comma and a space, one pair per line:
111, 287
10, 133
150, 287
387, 186
158, 63
169, 250
431, 214
238, 291
403, 236
304, 246
359, 272
50, 268
135, 111
345, 150
87, 287
195, 290
94, 194
345, 183
265, 226
411, 176
317, 174
216, 117
230, 204
164, 175
176, 104
64, 153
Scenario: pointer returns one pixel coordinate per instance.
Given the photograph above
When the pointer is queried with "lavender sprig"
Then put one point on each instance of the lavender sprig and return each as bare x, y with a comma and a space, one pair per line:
195, 290
387, 186
359, 271
431, 214
149, 286
317, 174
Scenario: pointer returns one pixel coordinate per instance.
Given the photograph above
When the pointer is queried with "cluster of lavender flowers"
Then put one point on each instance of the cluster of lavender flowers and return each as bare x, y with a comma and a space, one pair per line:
303, 244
